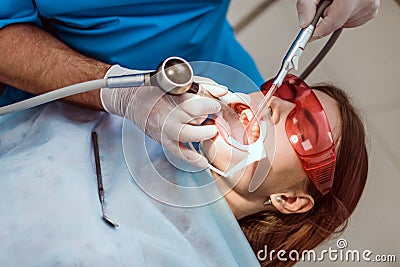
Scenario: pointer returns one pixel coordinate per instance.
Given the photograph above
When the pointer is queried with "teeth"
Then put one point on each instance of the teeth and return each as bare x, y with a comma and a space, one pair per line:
242, 117
254, 127
248, 114
245, 117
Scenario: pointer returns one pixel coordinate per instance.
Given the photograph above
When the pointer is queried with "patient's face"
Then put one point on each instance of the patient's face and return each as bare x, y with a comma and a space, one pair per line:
286, 172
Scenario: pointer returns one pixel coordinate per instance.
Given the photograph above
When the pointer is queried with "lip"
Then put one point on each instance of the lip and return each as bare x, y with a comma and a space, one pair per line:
229, 123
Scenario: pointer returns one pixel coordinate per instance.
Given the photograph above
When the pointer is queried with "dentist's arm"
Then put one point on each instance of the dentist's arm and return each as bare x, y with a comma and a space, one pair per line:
37, 62
341, 13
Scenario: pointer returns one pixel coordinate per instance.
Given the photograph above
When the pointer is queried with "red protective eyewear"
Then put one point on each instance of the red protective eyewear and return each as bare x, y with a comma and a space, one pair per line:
308, 131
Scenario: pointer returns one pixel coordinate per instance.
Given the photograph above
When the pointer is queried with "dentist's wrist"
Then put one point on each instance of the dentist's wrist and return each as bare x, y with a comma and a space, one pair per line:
111, 97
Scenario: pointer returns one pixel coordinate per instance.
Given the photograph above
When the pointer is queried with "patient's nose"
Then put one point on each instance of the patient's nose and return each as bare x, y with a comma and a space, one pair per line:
278, 109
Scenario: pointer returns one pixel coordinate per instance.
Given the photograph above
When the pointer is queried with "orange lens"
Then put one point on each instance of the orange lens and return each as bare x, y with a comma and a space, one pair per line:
308, 131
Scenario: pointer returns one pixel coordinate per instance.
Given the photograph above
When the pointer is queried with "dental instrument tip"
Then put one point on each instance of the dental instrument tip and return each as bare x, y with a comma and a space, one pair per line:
264, 103
109, 222
100, 188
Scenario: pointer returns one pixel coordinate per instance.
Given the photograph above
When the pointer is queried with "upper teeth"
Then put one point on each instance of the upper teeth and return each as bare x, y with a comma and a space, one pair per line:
245, 117
246, 114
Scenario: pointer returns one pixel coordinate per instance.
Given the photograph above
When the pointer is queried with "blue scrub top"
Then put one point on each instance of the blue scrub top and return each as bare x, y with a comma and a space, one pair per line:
136, 34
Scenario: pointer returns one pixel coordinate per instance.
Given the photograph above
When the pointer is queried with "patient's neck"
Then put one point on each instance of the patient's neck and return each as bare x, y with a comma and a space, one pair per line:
240, 206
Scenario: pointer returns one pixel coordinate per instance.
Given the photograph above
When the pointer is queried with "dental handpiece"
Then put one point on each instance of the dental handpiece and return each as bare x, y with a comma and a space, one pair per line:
291, 59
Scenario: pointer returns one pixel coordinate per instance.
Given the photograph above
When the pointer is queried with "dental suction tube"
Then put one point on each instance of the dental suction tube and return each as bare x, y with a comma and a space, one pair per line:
174, 75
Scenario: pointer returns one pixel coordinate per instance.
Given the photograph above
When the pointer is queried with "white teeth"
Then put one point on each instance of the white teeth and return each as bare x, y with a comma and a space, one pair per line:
247, 114
254, 128
245, 117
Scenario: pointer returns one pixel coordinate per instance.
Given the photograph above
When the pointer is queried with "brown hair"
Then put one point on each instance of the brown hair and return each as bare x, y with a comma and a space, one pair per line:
330, 214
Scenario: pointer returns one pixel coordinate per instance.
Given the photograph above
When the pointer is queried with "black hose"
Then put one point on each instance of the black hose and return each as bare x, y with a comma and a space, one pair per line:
324, 51
321, 54
320, 11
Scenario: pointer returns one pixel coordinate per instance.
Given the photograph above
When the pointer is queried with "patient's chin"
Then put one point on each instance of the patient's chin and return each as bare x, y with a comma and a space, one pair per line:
209, 150
220, 154
216, 151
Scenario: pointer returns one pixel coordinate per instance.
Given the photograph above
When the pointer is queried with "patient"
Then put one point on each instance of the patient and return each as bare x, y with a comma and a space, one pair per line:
54, 216
288, 210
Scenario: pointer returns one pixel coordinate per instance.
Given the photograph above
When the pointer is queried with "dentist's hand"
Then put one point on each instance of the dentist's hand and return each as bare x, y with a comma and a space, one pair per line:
341, 13
169, 119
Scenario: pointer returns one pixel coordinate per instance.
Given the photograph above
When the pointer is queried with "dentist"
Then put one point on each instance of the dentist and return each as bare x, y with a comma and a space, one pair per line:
45, 45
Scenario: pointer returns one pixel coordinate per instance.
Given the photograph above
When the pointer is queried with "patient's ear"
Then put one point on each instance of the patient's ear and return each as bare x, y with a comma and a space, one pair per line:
291, 202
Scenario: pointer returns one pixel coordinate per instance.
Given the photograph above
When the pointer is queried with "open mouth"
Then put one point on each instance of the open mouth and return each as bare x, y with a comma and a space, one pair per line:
233, 122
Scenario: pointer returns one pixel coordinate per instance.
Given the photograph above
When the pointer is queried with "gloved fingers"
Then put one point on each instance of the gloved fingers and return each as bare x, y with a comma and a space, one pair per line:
228, 99
306, 10
367, 10
335, 17
232, 98
191, 133
210, 87
186, 154
348, 14
196, 120
196, 105
213, 90
183, 132
178, 113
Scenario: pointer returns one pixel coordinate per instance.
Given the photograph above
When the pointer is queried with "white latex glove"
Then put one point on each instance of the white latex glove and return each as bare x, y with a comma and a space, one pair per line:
341, 13
169, 119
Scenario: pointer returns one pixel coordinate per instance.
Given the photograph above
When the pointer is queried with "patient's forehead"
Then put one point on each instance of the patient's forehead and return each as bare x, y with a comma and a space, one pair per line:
330, 106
